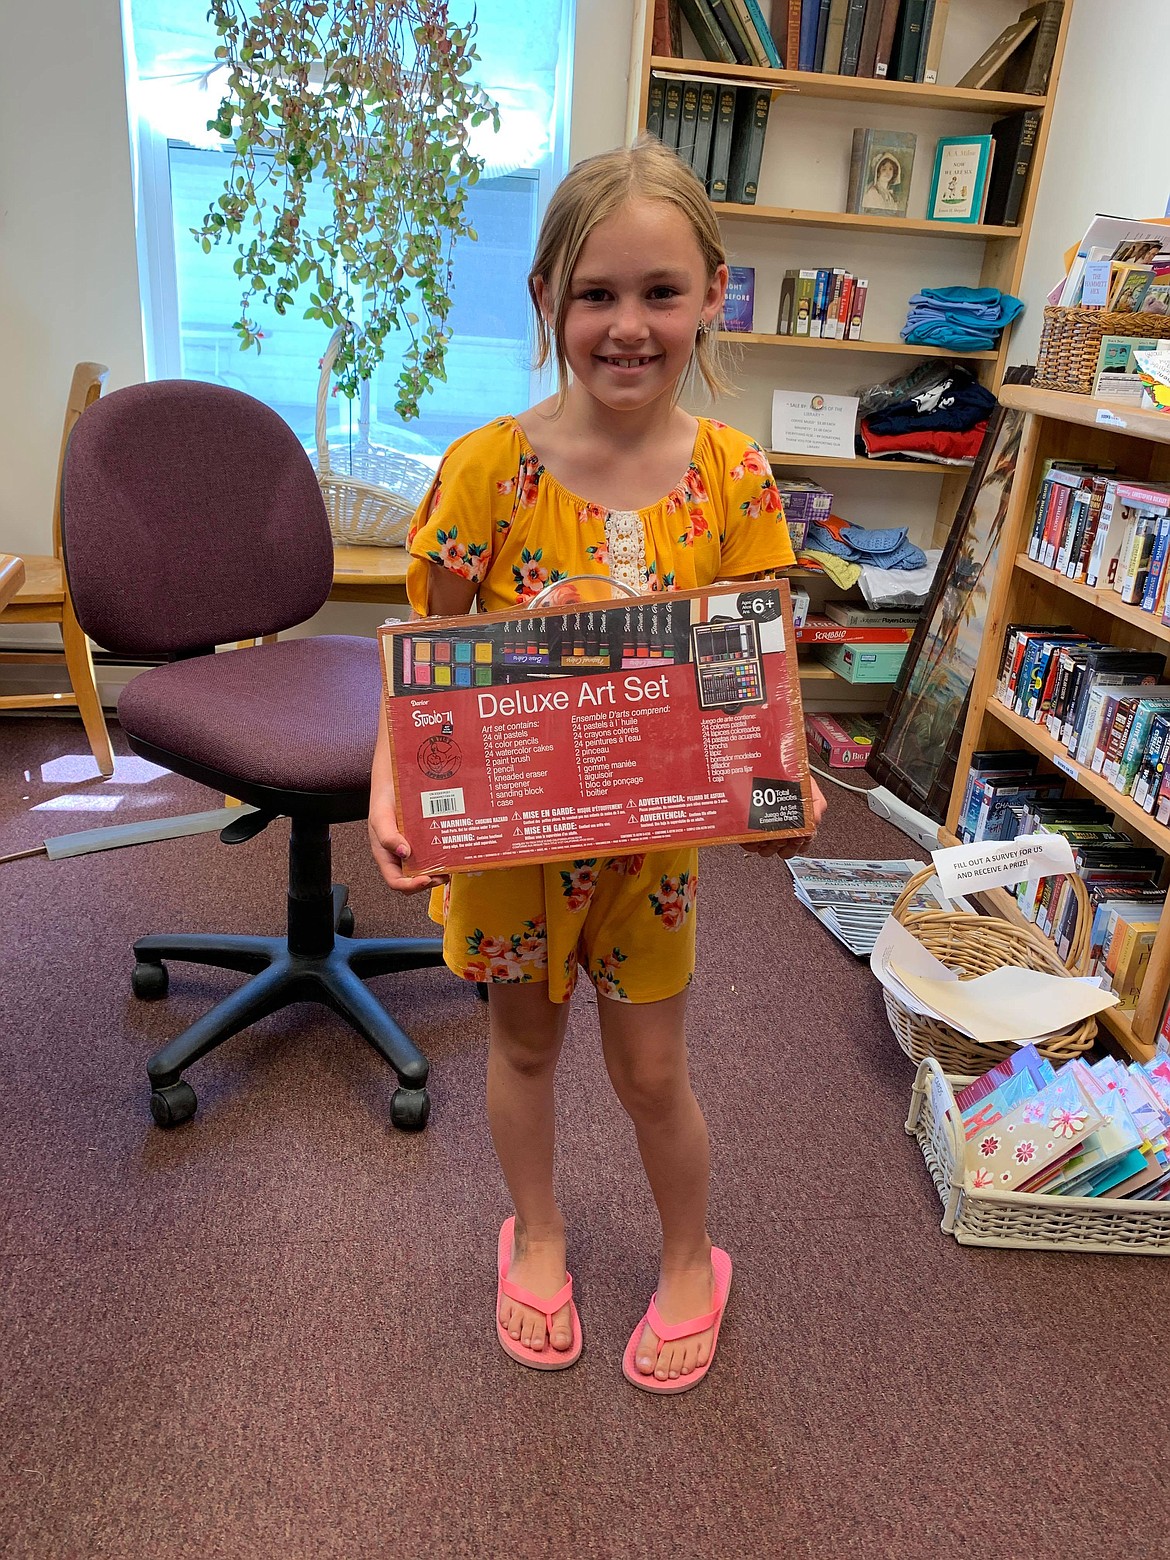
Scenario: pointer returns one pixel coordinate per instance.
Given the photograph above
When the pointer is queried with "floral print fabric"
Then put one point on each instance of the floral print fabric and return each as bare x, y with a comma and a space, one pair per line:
494, 516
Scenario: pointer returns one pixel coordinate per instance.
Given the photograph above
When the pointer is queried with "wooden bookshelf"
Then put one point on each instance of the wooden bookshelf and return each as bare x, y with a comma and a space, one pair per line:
878, 348
1060, 425
898, 254
849, 89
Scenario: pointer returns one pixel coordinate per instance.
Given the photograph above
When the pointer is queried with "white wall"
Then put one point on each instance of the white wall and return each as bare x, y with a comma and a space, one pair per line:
68, 272
1105, 153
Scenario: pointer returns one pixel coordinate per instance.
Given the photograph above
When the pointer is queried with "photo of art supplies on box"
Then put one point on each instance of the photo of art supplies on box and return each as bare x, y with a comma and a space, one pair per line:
606, 728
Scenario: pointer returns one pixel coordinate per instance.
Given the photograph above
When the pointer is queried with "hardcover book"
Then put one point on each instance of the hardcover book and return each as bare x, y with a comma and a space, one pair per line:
958, 184
1015, 142
880, 168
995, 56
1028, 69
712, 43
739, 304
747, 143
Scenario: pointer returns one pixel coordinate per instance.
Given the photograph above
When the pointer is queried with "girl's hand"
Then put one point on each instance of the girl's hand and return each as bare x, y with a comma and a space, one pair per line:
390, 849
391, 852
784, 848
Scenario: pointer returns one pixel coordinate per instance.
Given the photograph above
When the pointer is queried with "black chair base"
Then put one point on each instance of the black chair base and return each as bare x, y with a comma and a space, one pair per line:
314, 963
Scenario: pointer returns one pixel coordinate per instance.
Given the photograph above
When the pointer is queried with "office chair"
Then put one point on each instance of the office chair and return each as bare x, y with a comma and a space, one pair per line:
192, 518
44, 598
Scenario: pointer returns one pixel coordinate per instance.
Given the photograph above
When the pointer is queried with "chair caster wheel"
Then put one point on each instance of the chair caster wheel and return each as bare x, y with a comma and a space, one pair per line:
149, 982
409, 1109
172, 1105
345, 923
481, 990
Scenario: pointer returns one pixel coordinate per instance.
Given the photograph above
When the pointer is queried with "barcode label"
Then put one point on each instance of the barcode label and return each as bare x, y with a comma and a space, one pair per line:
443, 804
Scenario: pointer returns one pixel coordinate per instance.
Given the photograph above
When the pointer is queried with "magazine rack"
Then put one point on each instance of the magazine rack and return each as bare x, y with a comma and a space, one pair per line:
1021, 1219
976, 945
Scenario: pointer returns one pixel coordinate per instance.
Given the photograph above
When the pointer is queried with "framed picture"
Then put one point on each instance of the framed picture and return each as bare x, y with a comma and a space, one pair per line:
958, 187
918, 739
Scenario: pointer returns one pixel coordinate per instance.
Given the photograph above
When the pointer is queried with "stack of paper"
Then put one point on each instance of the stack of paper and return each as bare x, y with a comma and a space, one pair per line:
854, 898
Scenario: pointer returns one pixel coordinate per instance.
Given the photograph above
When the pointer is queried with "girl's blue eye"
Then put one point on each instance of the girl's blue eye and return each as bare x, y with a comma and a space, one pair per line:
594, 295
663, 292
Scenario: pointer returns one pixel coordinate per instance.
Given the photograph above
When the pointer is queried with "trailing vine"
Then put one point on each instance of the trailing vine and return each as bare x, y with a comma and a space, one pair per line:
371, 99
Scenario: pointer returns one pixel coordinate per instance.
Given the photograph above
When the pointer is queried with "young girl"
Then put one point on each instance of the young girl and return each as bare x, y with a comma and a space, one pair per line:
609, 476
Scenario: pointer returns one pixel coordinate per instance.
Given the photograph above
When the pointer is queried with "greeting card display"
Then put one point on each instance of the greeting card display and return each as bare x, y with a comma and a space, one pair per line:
600, 728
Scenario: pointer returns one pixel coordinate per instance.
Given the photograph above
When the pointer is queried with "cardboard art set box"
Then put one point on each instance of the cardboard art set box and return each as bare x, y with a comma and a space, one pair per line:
597, 729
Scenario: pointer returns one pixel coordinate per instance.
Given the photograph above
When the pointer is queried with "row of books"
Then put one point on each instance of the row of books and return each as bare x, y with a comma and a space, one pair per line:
1005, 796
717, 129
1099, 1129
894, 40
827, 301
1102, 703
1108, 530
975, 178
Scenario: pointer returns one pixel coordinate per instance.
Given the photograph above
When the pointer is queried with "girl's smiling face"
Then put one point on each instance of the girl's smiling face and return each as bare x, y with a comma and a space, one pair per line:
636, 298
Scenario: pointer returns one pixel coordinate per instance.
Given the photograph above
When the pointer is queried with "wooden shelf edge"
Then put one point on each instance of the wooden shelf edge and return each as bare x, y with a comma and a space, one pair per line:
1126, 809
1063, 406
858, 89
1104, 600
917, 227
780, 458
889, 348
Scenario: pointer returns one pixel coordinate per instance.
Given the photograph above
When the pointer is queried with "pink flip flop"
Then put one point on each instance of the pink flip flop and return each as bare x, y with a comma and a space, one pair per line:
721, 1269
547, 1358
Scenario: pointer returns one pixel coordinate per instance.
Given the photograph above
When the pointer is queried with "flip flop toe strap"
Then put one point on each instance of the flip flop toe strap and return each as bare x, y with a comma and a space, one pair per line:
548, 1308
667, 1334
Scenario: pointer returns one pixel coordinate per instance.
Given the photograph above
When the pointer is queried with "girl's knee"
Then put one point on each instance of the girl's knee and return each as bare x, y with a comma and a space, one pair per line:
650, 1090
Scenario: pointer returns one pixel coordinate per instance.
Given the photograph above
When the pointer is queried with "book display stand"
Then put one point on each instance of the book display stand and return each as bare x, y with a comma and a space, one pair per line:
798, 220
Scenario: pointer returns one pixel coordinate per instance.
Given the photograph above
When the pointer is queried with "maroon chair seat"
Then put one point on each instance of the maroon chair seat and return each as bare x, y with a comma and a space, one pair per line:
191, 518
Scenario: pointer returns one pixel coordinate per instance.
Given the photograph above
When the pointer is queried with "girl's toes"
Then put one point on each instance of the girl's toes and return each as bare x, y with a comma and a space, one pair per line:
562, 1335
647, 1353
532, 1334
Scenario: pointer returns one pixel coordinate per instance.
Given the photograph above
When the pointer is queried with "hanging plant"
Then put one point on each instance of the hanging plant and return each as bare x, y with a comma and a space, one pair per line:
371, 99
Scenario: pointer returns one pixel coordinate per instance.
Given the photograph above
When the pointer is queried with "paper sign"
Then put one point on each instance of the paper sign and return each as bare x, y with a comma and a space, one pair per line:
968, 869
805, 423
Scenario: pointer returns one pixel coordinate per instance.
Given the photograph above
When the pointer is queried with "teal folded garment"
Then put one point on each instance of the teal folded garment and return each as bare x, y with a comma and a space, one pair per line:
955, 338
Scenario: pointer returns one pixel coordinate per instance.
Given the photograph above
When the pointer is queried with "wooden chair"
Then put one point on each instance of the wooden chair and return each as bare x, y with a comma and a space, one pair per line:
44, 598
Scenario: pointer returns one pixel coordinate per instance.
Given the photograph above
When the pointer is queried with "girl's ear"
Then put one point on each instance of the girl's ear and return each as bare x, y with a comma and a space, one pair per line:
716, 293
545, 300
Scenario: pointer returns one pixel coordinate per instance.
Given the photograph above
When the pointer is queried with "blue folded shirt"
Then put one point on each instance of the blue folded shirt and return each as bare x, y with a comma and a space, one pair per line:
888, 549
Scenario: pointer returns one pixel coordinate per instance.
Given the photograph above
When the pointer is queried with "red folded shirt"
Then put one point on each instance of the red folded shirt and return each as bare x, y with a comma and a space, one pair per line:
938, 444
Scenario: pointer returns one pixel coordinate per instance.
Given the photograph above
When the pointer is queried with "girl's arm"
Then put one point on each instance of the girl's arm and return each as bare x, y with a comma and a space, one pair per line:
448, 595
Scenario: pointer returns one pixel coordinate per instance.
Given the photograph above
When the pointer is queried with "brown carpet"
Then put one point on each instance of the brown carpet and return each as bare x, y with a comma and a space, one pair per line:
269, 1333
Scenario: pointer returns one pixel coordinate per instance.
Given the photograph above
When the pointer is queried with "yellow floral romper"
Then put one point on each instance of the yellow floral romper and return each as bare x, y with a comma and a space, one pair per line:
493, 515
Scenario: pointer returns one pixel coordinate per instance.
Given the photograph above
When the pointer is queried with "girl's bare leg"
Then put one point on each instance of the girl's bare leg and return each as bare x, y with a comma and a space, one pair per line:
646, 1055
527, 1032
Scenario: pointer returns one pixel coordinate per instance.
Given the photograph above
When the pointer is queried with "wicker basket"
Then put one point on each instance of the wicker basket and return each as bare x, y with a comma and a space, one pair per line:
372, 503
975, 945
1023, 1219
1070, 344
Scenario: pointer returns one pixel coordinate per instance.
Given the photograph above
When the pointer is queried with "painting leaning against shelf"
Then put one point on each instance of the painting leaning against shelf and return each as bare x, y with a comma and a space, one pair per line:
918, 741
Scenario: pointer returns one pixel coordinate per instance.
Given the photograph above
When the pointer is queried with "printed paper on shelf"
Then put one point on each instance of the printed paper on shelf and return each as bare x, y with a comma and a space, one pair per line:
969, 869
599, 729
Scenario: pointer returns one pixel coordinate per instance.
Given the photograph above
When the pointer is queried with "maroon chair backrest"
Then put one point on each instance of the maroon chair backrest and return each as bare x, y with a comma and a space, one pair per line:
191, 517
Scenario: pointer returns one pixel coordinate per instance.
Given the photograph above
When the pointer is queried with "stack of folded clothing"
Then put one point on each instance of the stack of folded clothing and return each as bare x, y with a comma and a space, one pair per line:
961, 319
945, 421
857, 544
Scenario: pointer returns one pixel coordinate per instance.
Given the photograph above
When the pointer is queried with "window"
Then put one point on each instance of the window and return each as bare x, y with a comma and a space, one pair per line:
191, 299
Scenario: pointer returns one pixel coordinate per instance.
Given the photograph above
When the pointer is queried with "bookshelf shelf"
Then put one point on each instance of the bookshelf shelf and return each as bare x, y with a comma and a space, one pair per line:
1047, 746
884, 348
1104, 600
852, 89
1055, 426
850, 221
927, 467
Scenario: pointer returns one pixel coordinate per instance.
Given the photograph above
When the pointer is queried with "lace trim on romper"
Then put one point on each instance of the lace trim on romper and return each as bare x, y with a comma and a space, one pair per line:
625, 538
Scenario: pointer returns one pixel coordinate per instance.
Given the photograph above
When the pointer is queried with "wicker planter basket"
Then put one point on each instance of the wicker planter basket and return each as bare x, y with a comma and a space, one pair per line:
372, 495
1023, 1219
1071, 341
975, 945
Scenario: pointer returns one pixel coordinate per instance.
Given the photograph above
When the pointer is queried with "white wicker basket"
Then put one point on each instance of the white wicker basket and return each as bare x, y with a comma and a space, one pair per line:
1021, 1219
372, 503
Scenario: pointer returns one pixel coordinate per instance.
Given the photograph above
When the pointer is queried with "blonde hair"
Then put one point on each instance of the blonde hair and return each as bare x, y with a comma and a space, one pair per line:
594, 190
